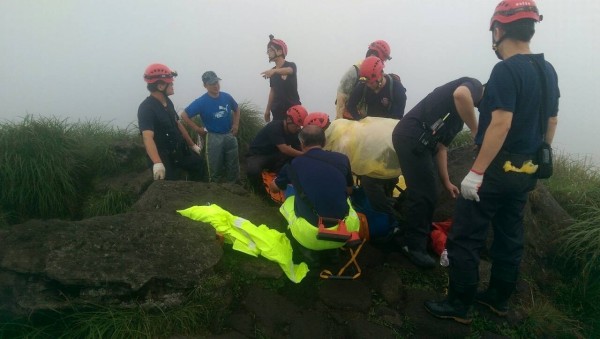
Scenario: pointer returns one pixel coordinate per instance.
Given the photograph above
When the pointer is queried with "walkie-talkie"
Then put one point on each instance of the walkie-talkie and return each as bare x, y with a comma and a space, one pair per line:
429, 137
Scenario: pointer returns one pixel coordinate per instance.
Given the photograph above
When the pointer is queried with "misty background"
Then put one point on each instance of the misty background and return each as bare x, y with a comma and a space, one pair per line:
84, 59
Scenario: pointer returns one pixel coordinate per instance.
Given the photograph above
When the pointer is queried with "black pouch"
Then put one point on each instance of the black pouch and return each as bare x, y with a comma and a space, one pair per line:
544, 161
180, 151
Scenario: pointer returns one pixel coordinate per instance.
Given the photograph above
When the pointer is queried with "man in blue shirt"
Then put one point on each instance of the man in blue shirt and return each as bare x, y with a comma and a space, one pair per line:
518, 113
220, 115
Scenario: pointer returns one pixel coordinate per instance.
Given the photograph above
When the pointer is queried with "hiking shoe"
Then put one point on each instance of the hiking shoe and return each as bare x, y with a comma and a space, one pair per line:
418, 258
447, 309
491, 299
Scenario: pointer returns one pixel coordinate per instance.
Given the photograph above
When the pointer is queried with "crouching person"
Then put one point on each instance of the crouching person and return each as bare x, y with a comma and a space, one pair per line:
322, 181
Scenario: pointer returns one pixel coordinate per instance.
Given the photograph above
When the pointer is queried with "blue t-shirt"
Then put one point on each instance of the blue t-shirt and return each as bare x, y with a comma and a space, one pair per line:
216, 113
324, 177
515, 86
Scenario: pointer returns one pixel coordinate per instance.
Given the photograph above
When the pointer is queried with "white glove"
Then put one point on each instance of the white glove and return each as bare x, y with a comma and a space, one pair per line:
159, 171
196, 149
470, 185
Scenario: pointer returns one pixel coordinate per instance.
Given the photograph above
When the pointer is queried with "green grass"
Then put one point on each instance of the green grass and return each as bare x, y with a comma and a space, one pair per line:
576, 186
110, 203
39, 167
202, 314
47, 165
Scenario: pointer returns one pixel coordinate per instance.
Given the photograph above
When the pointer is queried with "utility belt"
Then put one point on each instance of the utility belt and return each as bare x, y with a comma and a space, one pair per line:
430, 136
519, 163
510, 172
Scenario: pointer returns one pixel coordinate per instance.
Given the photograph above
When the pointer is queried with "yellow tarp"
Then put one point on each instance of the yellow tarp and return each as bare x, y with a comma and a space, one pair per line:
249, 238
368, 145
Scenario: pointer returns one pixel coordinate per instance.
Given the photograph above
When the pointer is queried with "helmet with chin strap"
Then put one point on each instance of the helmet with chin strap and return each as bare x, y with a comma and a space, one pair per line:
297, 113
371, 70
509, 11
278, 44
382, 48
159, 72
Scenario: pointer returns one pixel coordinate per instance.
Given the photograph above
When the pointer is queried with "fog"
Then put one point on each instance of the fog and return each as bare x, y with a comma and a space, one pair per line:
84, 59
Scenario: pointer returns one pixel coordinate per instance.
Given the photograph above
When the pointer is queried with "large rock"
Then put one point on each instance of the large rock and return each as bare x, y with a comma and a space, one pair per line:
104, 260
151, 255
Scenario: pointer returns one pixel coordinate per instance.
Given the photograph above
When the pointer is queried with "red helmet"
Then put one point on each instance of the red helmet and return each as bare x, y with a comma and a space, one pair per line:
156, 72
318, 119
371, 70
297, 113
512, 10
382, 48
279, 44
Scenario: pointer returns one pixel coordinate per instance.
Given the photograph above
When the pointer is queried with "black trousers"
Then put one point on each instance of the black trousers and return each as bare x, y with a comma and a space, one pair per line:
255, 164
503, 196
421, 191
191, 162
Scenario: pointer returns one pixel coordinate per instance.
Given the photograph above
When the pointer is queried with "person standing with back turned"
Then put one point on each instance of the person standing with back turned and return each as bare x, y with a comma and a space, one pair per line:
514, 122
282, 80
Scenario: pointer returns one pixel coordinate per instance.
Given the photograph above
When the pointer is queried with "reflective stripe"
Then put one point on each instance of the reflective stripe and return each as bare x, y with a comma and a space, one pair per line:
306, 234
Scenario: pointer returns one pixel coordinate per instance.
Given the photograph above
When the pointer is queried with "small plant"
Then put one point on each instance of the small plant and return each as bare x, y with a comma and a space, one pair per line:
544, 320
112, 202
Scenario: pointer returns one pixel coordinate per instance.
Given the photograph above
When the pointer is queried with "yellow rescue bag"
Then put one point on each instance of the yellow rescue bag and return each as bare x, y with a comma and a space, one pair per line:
368, 144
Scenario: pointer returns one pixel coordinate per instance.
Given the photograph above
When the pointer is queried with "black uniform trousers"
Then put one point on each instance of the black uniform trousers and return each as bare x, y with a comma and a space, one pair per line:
421, 192
503, 196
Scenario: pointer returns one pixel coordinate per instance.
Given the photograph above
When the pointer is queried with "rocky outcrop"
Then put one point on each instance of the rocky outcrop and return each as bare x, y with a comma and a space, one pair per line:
151, 255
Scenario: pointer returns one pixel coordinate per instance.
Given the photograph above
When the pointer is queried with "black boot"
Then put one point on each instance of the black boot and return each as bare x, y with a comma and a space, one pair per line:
496, 296
456, 306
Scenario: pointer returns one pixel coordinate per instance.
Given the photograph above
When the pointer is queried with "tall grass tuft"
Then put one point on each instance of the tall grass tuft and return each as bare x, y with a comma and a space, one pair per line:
38, 167
545, 321
251, 121
47, 165
95, 147
576, 186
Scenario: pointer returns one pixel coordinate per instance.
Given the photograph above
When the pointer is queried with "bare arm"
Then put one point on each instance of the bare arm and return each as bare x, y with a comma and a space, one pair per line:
236, 121
269, 103
288, 150
192, 124
281, 71
552, 123
465, 107
442, 165
494, 138
150, 145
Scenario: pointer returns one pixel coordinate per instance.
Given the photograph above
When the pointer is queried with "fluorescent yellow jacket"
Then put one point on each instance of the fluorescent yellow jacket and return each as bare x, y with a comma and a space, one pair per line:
249, 238
306, 234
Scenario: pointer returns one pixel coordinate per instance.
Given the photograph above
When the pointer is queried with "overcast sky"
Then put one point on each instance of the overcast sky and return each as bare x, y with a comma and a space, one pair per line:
84, 59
